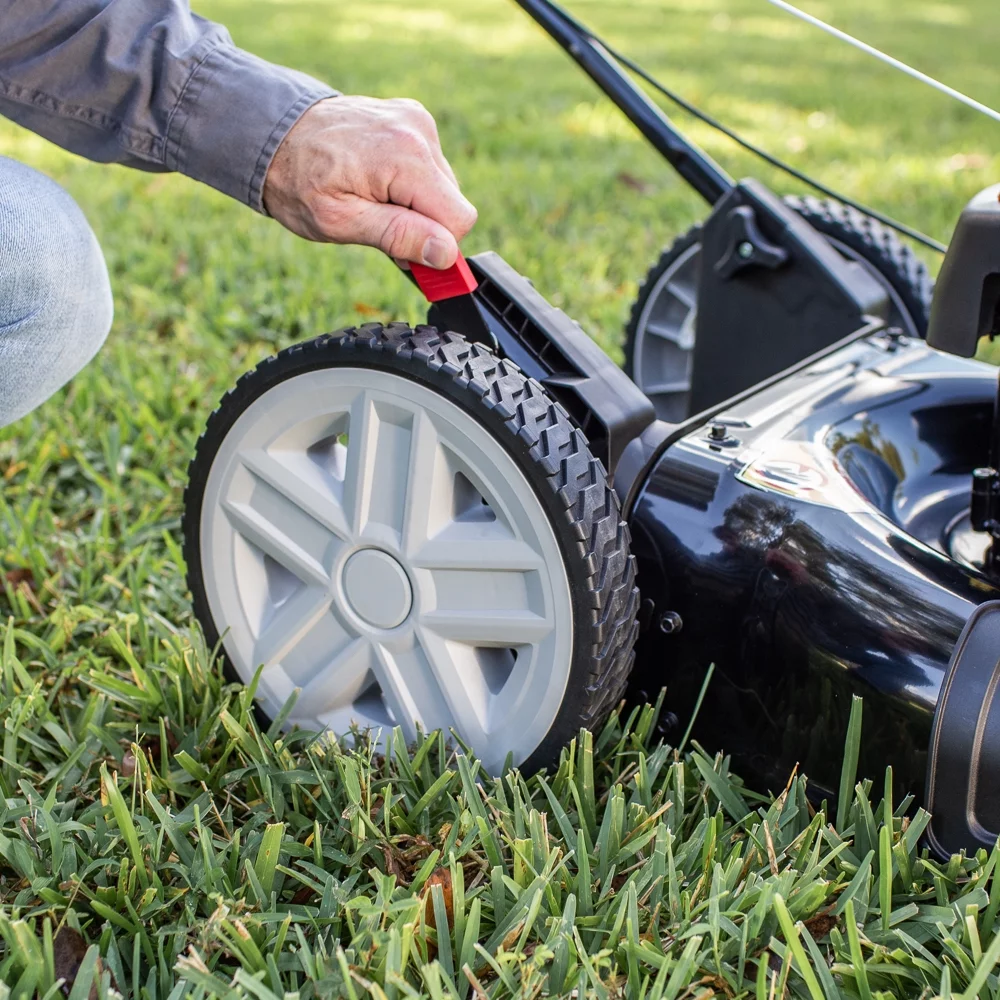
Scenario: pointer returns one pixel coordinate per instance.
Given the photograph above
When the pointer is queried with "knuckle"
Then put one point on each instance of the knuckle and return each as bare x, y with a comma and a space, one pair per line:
406, 138
418, 116
332, 220
464, 217
398, 238
414, 108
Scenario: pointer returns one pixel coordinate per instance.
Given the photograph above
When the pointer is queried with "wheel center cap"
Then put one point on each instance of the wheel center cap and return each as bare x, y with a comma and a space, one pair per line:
377, 588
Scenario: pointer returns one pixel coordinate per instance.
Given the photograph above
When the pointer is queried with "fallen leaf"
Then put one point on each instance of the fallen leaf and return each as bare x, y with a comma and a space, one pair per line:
409, 858
391, 864
68, 951
634, 183
303, 895
363, 309
718, 984
128, 764
821, 924
18, 576
512, 935
441, 877
486, 971
27, 825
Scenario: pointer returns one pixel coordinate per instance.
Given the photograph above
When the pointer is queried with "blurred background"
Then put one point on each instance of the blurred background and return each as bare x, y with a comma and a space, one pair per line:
567, 191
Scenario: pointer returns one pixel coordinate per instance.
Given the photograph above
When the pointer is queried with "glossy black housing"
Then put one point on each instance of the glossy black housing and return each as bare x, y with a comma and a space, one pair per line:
802, 603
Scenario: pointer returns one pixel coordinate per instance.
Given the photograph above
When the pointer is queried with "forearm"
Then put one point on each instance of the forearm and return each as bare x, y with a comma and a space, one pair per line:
149, 85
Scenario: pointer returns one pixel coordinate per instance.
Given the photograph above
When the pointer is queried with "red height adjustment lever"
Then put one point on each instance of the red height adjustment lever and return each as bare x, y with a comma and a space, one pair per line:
439, 285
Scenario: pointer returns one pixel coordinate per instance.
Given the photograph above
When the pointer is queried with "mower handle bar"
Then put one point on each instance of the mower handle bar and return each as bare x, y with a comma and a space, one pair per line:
693, 164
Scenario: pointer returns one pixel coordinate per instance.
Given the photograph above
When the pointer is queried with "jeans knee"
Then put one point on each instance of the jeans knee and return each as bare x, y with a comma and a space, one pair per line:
55, 297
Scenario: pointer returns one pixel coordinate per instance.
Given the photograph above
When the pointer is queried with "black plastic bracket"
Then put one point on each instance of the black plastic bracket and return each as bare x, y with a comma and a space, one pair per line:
507, 313
963, 766
464, 315
754, 321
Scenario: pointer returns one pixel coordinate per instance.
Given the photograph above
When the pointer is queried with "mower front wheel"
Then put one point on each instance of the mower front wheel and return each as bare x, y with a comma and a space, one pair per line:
402, 526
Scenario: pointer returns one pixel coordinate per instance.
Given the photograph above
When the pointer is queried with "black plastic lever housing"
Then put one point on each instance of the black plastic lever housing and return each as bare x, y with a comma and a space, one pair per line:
547, 345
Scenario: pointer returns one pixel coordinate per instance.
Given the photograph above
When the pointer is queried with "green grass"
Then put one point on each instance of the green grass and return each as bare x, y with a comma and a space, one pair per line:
143, 811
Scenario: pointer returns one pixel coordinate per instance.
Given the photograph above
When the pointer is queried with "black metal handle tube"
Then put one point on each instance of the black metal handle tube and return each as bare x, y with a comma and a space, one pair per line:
692, 163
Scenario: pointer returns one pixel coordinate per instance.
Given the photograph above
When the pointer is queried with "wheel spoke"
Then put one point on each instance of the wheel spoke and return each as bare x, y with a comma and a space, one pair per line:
339, 680
276, 543
682, 294
290, 625
378, 458
360, 462
284, 479
672, 334
481, 554
420, 482
488, 628
411, 686
459, 679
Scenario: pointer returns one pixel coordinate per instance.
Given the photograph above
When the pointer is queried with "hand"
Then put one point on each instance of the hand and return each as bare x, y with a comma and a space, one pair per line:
368, 171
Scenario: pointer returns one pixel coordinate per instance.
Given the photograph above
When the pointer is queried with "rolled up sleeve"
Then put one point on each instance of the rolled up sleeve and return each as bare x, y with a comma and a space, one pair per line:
149, 85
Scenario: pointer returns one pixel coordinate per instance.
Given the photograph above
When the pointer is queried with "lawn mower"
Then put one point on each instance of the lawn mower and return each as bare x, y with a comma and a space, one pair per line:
483, 524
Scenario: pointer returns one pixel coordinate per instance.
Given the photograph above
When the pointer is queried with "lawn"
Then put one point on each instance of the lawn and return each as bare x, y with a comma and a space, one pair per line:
145, 817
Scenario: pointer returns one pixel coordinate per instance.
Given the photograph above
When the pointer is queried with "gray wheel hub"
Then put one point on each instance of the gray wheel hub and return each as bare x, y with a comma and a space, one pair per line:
377, 589
371, 544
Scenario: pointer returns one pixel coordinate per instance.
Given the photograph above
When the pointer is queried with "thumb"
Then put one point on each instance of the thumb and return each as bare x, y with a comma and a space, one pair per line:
404, 235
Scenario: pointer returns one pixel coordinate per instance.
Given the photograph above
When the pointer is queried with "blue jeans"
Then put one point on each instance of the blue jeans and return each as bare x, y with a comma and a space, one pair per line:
55, 298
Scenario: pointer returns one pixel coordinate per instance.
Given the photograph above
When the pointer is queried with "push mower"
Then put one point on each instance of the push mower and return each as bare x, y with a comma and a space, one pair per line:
483, 524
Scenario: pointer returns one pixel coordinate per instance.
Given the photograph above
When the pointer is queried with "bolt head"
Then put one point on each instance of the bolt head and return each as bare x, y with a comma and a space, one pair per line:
718, 432
668, 722
671, 622
745, 250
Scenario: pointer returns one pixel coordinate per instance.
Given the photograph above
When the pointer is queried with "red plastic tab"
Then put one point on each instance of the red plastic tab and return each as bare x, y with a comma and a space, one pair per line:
438, 285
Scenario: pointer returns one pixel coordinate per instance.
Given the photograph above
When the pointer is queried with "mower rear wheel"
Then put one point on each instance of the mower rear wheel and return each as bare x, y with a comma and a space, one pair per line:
401, 525
659, 338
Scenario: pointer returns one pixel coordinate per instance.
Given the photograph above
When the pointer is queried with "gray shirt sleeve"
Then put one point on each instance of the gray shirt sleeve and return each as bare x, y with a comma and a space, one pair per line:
148, 84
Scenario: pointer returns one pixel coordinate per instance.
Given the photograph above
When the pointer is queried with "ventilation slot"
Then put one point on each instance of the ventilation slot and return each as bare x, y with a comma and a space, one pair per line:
497, 665
469, 503
282, 583
330, 454
371, 703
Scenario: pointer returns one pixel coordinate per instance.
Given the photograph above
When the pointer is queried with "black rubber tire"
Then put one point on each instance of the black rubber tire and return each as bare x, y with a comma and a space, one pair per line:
552, 453
898, 265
